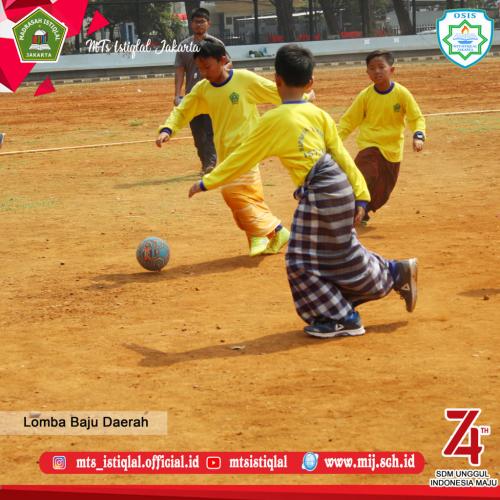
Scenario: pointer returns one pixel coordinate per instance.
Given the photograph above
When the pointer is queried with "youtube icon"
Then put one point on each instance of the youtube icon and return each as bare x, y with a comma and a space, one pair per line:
213, 462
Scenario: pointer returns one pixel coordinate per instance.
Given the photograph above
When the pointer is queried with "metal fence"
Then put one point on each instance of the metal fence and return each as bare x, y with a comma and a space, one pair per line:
242, 22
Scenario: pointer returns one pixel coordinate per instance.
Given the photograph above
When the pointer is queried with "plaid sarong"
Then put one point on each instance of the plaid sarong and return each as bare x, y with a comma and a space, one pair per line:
328, 269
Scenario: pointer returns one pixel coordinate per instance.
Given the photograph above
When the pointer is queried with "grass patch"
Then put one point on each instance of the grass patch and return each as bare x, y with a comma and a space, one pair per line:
136, 123
467, 124
158, 182
16, 203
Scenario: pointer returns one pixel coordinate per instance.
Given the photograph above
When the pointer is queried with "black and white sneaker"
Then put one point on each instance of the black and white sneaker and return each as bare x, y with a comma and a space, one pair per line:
2, 138
406, 282
350, 326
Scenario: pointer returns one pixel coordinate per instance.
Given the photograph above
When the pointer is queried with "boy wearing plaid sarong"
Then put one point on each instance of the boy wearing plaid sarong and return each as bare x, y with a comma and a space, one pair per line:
329, 271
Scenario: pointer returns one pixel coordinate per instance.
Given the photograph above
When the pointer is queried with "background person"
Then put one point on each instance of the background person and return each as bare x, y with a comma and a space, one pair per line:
186, 70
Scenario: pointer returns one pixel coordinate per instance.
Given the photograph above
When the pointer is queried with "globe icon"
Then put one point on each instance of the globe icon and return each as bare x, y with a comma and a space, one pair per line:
310, 461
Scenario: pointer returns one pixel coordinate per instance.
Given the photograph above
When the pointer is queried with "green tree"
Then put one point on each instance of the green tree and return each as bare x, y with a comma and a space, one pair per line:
150, 18
158, 19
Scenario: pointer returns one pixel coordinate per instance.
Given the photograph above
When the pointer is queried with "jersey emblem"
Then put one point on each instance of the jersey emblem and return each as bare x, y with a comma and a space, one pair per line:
235, 98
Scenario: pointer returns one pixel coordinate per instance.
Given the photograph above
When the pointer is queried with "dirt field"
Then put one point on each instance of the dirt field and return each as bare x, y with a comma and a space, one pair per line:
83, 327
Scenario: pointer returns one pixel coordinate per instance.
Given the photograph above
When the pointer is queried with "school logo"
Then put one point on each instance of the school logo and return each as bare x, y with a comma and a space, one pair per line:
465, 35
235, 98
39, 37
397, 108
465, 441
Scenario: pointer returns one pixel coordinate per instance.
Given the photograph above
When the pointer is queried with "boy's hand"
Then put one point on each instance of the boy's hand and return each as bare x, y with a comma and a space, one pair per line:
177, 100
195, 188
163, 137
358, 216
418, 145
311, 96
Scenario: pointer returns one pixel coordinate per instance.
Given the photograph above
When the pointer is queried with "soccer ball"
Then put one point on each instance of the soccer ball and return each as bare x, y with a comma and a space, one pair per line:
153, 254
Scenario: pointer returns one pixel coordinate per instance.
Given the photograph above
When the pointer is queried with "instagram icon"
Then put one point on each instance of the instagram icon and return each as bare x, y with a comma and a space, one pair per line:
59, 463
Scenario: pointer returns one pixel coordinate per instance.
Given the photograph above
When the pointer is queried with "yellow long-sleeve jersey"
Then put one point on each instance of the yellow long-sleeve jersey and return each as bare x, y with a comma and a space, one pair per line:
232, 106
381, 118
299, 134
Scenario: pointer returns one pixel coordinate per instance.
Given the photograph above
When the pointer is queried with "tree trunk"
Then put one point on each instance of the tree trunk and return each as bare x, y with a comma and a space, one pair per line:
403, 15
190, 5
328, 8
371, 18
284, 11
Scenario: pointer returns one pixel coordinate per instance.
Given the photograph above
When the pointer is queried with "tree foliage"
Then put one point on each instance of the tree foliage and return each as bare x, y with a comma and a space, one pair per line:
150, 18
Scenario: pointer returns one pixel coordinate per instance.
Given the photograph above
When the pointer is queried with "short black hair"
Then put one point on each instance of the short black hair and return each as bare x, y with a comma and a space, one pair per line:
295, 64
210, 48
200, 12
385, 54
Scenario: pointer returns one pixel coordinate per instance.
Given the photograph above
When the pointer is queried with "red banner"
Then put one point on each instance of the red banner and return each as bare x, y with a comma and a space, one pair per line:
267, 492
153, 462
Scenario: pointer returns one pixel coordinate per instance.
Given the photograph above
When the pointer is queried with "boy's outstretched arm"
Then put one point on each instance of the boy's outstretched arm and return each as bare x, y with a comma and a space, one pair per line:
418, 144
352, 118
416, 122
310, 96
261, 90
178, 82
258, 146
340, 154
194, 189
360, 212
191, 105
163, 136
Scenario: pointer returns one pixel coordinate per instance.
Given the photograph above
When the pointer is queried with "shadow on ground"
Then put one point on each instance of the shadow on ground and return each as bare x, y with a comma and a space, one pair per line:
268, 344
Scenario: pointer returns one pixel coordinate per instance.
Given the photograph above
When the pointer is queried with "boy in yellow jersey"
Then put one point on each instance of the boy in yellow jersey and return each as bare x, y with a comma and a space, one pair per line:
329, 271
230, 97
381, 112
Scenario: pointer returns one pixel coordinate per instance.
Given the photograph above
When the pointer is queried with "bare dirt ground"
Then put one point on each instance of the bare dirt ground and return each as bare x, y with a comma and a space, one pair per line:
83, 327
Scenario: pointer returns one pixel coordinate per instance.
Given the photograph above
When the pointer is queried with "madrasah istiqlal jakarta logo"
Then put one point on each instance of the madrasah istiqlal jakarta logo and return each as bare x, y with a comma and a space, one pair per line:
465, 35
39, 37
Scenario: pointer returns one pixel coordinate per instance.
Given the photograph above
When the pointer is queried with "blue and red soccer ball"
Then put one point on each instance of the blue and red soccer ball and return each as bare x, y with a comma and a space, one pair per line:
153, 254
